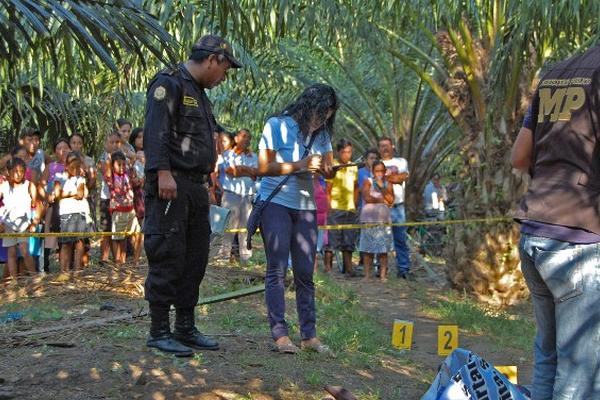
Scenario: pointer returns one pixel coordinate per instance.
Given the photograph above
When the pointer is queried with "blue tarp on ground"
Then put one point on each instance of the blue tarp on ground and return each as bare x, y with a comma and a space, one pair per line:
466, 376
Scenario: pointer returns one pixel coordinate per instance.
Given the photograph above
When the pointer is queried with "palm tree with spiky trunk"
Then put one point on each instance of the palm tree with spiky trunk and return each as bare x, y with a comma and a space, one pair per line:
485, 57
480, 59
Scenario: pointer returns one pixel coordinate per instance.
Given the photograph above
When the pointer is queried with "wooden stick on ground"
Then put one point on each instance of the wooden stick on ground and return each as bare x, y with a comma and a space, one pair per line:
233, 295
43, 332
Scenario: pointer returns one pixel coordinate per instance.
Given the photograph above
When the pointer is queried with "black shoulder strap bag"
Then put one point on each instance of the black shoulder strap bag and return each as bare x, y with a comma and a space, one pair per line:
259, 205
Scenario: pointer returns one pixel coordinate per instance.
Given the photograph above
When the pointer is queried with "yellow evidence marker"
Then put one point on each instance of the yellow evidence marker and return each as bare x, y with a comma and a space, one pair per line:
402, 333
510, 371
447, 339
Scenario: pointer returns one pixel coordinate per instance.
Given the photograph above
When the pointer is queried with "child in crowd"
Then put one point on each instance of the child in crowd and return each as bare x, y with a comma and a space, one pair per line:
226, 142
138, 179
53, 174
111, 145
74, 212
121, 203
378, 197
18, 195
35, 243
89, 172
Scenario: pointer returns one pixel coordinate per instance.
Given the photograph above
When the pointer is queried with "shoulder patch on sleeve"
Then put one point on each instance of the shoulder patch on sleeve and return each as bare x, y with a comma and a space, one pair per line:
160, 93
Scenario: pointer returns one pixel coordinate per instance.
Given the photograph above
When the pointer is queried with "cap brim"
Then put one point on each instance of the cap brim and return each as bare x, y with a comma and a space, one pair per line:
234, 62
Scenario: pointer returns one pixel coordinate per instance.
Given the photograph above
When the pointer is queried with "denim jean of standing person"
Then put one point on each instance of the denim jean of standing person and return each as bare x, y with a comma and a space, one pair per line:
564, 281
400, 239
398, 165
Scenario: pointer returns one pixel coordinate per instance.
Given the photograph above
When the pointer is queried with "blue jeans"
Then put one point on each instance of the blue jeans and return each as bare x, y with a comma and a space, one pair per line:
564, 281
399, 232
288, 232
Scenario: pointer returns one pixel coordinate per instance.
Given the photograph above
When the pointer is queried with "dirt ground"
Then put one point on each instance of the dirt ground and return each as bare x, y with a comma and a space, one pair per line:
400, 303
109, 360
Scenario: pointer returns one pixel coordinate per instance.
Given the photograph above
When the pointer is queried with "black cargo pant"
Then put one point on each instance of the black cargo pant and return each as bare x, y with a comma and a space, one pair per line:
176, 242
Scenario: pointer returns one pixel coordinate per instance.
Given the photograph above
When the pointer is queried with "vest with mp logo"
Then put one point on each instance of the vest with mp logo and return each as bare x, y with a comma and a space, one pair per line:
565, 187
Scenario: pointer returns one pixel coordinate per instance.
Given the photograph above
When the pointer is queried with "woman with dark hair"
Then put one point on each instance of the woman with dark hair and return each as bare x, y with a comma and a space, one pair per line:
124, 128
136, 139
295, 142
378, 196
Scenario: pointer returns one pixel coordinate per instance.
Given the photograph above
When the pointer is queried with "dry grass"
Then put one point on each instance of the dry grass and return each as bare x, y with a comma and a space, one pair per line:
65, 306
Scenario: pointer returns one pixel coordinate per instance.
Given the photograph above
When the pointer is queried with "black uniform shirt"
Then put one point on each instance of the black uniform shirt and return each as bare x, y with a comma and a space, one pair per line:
178, 132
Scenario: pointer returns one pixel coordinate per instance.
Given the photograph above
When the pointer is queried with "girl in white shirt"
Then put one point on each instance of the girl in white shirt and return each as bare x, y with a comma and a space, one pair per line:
74, 212
19, 197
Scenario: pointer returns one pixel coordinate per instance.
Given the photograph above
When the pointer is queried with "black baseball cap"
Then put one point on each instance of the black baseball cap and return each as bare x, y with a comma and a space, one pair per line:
217, 45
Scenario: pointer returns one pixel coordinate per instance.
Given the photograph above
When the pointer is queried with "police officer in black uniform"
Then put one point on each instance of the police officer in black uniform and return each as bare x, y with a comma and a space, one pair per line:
180, 154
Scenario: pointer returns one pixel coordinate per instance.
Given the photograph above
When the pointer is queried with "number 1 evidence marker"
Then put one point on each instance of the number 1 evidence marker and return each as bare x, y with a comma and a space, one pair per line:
402, 333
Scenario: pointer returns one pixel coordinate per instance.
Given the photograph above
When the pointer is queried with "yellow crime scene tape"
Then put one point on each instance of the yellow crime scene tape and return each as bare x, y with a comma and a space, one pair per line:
407, 224
65, 234
241, 230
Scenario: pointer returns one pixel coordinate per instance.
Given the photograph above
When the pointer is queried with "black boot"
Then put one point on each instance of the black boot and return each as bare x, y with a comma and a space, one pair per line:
160, 334
186, 332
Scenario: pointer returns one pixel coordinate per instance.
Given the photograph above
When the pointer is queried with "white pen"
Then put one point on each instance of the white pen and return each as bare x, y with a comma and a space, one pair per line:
168, 206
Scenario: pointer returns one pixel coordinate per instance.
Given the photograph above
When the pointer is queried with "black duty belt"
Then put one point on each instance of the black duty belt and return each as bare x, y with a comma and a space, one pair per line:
190, 175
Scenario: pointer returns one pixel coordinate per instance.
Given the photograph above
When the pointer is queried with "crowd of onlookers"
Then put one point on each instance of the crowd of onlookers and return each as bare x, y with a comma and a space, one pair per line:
67, 192
358, 194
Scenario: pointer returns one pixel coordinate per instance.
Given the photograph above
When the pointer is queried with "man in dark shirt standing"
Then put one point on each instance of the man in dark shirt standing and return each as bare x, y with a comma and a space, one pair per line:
560, 227
180, 155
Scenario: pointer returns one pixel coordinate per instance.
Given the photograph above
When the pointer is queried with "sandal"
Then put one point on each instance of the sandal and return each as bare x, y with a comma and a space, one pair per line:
285, 348
316, 346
